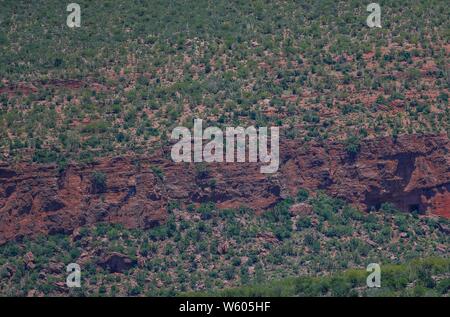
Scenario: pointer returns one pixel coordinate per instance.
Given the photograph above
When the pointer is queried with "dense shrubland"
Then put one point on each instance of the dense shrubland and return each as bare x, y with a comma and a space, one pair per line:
422, 277
142, 67
201, 248
135, 69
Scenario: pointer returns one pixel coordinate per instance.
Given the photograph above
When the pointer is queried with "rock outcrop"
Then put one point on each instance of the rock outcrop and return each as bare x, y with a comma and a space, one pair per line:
116, 262
412, 172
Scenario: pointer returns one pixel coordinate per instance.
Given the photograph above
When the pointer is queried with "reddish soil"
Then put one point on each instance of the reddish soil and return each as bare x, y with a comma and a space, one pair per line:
412, 173
29, 88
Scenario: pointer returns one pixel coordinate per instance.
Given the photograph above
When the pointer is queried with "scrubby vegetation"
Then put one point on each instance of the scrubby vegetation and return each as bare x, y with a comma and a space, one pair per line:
135, 69
424, 277
204, 249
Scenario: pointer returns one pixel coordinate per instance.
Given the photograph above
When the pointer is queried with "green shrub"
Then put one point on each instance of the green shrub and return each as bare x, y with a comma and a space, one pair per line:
98, 182
352, 145
302, 195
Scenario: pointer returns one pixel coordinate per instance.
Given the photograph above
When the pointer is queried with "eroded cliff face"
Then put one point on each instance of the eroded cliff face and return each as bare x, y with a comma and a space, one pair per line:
412, 172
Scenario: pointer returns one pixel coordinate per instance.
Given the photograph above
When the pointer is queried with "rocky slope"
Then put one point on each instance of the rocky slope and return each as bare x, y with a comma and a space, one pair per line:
412, 172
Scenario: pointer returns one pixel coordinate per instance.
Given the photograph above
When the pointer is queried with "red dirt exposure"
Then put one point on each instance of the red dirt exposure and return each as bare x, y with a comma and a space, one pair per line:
22, 88
411, 172
31, 88
440, 203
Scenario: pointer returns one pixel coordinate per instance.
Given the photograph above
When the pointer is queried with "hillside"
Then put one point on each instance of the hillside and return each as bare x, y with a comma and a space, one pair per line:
134, 70
87, 176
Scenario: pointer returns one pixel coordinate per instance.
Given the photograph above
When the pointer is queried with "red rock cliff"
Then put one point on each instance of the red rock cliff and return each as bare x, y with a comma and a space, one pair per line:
413, 172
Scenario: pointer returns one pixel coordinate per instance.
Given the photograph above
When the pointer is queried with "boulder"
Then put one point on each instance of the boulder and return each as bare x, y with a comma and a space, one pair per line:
116, 262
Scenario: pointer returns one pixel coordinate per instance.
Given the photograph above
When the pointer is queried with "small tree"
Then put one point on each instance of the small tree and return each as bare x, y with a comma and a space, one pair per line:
352, 145
302, 195
98, 182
